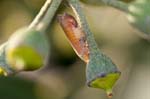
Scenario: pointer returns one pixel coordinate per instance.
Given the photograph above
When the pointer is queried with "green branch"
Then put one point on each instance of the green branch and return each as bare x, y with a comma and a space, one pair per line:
101, 72
75, 5
46, 14
116, 4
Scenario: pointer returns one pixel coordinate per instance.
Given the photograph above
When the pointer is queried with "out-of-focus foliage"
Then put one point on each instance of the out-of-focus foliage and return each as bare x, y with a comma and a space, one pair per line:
98, 2
16, 88
115, 37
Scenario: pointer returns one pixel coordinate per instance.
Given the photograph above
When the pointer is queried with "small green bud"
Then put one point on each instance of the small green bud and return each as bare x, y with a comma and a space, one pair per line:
101, 73
139, 15
27, 49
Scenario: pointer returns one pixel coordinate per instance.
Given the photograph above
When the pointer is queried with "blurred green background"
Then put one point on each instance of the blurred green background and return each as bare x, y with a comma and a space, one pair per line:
64, 75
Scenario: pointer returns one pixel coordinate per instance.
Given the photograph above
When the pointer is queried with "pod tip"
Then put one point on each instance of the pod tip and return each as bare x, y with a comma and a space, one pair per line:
109, 93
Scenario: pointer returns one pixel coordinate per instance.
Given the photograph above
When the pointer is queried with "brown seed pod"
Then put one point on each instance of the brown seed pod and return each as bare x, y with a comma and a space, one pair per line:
75, 35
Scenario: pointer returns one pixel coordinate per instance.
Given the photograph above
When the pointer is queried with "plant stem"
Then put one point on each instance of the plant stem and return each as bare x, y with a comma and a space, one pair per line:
45, 16
98, 64
40, 15
117, 4
75, 5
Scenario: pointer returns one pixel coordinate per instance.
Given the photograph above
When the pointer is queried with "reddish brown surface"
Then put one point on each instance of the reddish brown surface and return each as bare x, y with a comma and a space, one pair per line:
75, 35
